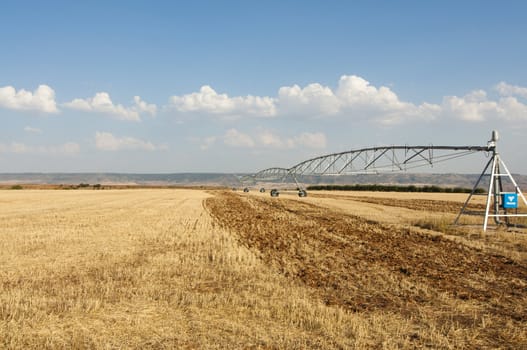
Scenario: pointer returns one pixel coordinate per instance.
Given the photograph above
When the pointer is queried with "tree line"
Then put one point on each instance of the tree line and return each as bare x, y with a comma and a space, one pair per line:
394, 188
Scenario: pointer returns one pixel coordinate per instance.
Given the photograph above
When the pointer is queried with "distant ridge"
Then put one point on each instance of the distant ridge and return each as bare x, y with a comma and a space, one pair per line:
180, 179
232, 180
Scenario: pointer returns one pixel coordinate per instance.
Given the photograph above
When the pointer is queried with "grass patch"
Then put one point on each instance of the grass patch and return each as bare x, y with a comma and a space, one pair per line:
439, 224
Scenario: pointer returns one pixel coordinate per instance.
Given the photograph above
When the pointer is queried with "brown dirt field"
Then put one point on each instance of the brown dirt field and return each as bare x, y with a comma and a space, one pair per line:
415, 204
195, 269
366, 266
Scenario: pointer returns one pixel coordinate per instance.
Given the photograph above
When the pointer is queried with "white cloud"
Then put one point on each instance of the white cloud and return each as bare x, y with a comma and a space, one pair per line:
14, 147
106, 141
510, 109
69, 148
32, 130
355, 91
235, 138
314, 99
207, 100
40, 100
102, 103
505, 89
143, 107
315, 140
268, 139
477, 107
353, 98
472, 107
362, 100
310, 140
265, 139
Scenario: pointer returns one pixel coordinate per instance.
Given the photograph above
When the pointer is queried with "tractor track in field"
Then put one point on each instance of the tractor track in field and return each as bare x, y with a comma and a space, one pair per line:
363, 265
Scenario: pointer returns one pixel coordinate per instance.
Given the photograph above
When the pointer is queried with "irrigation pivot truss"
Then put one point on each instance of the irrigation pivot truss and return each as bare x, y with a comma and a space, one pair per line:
270, 174
385, 159
372, 160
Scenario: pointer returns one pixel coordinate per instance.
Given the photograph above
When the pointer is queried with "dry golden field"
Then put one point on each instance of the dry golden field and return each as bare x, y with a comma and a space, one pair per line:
192, 269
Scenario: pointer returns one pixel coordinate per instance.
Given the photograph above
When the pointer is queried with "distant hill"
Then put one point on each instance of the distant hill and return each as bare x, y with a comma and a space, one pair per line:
183, 179
232, 180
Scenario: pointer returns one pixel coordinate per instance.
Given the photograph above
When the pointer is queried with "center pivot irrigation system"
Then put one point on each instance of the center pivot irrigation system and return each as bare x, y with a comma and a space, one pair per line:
390, 159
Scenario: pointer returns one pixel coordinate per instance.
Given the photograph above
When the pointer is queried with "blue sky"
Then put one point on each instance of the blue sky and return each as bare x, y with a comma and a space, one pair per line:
237, 86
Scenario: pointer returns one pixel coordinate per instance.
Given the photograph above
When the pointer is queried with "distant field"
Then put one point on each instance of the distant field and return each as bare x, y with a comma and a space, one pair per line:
182, 268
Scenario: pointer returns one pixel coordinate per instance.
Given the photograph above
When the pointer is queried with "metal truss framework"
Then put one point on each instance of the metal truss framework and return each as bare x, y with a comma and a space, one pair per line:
376, 160
498, 172
373, 160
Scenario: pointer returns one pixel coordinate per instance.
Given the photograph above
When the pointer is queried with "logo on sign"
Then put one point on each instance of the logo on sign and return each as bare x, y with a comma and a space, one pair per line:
510, 200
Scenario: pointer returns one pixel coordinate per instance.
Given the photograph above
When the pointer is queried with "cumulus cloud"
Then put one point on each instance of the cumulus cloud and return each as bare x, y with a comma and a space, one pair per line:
362, 100
353, 98
310, 140
268, 139
315, 140
477, 107
505, 89
143, 107
102, 103
355, 91
510, 109
69, 148
40, 100
314, 99
265, 139
473, 107
236, 138
207, 100
106, 141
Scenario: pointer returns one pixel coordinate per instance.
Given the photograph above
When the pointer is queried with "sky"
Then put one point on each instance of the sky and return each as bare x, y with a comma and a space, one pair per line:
239, 86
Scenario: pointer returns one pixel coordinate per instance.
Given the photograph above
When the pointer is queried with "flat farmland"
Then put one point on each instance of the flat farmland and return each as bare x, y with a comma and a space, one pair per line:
162, 268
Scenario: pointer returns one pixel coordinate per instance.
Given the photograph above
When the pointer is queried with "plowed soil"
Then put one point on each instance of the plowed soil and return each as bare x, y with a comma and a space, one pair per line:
366, 266
415, 204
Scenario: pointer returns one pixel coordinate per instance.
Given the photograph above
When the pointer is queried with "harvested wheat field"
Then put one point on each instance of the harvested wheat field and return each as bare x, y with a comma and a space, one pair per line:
218, 269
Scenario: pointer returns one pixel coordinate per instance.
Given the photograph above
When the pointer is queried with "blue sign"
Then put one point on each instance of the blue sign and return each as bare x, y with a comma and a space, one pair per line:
510, 200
